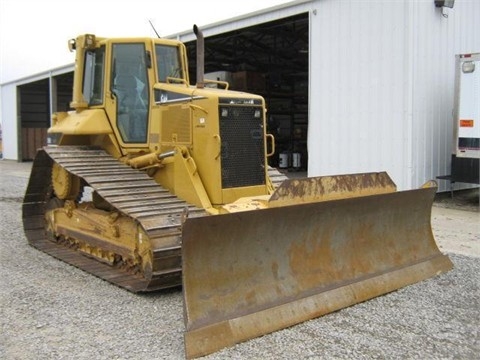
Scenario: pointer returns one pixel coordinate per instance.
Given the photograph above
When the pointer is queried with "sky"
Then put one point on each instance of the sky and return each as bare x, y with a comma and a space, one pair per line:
34, 33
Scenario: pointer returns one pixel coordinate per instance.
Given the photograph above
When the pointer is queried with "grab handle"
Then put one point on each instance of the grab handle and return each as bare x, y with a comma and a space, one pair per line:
273, 144
219, 139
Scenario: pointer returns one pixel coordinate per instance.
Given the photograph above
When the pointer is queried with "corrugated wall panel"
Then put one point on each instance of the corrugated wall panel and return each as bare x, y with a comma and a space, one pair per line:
381, 86
357, 98
9, 121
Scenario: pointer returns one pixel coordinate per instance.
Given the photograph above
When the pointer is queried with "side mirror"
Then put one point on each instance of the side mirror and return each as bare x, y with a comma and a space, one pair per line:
72, 45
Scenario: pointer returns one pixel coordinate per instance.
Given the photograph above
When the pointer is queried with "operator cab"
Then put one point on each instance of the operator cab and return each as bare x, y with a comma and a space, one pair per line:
127, 79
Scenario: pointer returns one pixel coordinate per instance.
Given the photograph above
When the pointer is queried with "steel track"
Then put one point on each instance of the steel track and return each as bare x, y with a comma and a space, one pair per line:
129, 191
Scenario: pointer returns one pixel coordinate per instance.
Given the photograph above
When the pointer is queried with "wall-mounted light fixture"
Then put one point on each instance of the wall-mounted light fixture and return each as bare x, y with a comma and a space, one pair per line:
444, 4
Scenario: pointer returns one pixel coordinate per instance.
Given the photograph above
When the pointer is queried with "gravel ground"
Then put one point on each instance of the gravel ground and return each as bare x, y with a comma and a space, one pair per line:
50, 310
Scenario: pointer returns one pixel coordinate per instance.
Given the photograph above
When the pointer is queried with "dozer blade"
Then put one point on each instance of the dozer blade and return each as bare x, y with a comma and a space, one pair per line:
250, 273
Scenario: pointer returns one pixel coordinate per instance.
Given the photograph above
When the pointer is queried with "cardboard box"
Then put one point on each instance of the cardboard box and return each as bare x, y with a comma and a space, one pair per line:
248, 81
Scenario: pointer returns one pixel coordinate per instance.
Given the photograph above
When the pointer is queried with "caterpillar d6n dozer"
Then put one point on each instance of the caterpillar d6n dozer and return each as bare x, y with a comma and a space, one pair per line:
152, 183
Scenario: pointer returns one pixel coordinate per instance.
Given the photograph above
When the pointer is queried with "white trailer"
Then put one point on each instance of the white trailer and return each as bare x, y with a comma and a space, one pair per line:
466, 119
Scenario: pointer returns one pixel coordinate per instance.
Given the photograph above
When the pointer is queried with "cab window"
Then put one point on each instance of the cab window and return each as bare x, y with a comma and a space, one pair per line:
93, 76
168, 63
130, 86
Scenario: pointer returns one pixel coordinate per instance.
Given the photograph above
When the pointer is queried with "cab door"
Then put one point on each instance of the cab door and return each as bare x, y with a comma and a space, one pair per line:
129, 93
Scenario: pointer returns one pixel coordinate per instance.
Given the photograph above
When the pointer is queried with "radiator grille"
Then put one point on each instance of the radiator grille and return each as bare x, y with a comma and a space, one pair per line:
242, 146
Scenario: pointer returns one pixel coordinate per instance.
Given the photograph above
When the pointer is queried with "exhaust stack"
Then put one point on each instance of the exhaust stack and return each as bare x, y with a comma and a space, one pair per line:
200, 57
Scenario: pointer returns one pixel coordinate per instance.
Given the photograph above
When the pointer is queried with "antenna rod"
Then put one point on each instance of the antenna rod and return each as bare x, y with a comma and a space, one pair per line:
153, 27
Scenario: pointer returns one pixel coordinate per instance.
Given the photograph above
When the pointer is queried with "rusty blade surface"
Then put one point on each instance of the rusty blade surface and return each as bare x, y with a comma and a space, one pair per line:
251, 273
325, 188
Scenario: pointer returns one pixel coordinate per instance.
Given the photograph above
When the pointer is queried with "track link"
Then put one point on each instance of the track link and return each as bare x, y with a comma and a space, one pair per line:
276, 177
129, 191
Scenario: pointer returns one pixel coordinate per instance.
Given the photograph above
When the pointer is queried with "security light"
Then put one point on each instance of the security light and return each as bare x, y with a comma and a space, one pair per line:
444, 3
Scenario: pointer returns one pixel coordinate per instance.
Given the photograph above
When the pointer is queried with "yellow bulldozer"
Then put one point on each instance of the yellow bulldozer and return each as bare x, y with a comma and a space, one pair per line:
150, 183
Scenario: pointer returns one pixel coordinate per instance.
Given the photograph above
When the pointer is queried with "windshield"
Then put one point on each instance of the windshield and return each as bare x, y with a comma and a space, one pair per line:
168, 63
93, 76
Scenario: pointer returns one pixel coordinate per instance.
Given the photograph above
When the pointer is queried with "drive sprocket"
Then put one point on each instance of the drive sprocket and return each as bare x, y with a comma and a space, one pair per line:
65, 185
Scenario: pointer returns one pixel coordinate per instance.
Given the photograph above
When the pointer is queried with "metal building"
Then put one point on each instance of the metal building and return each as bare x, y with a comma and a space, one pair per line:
351, 86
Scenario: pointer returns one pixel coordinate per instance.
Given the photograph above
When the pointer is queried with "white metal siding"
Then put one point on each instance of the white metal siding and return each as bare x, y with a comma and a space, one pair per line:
381, 86
358, 109
9, 121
